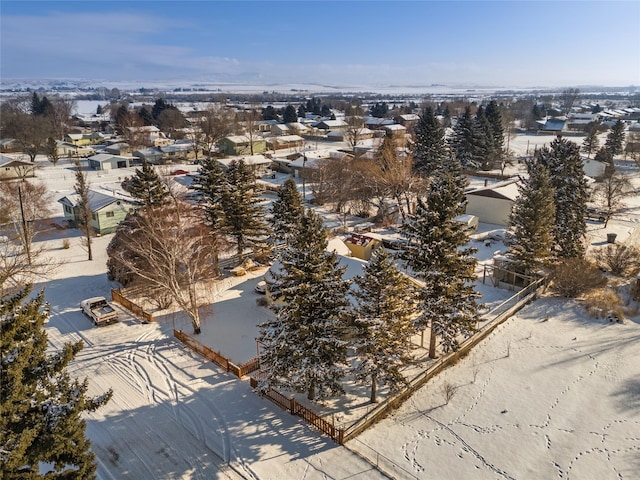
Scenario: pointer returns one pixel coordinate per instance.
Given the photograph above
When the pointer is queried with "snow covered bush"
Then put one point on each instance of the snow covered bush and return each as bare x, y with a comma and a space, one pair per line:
573, 277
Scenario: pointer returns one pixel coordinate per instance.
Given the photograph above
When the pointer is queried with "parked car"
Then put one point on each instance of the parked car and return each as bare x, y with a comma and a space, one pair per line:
99, 310
179, 172
261, 287
596, 215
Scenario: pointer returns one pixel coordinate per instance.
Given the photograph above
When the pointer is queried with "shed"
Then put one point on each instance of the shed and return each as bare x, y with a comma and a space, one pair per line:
106, 161
493, 204
363, 245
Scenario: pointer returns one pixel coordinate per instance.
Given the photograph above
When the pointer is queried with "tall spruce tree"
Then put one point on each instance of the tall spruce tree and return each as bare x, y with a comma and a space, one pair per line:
244, 217
615, 138
532, 219
564, 164
494, 115
485, 143
211, 183
286, 211
41, 405
467, 142
437, 255
383, 321
146, 186
303, 347
430, 148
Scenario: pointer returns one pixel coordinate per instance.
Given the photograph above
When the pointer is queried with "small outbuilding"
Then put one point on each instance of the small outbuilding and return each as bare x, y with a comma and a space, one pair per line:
493, 204
106, 161
13, 168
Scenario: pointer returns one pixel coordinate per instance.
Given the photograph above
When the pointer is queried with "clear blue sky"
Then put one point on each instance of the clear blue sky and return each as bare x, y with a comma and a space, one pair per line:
503, 43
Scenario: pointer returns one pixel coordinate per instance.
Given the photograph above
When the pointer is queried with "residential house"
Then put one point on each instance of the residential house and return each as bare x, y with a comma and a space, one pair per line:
397, 133
84, 139
555, 125
107, 209
106, 161
493, 203
119, 148
332, 125
259, 164
10, 145
408, 120
280, 129
376, 123
285, 141
178, 152
298, 128
66, 149
152, 155
241, 145
13, 168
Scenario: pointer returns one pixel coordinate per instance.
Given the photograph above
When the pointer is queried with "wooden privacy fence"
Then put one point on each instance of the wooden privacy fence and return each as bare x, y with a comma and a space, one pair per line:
294, 408
134, 308
216, 357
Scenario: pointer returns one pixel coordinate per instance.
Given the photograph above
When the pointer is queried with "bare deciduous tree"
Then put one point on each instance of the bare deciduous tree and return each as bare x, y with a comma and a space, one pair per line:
23, 208
81, 188
25, 205
393, 175
214, 125
171, 250
609, 194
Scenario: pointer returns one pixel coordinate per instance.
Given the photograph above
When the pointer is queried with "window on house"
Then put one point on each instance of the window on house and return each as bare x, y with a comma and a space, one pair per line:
94, 216
109, 214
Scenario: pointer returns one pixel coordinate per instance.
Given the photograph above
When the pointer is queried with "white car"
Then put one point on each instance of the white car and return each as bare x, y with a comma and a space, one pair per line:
261, 287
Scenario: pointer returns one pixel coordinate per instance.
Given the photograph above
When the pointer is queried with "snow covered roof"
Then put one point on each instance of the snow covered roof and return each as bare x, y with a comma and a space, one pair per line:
97, 200
248, 159
506, 190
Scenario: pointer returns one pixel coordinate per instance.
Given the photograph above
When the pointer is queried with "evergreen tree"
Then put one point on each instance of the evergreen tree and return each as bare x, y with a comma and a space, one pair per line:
301, 111
467, 142
430, 148
591, 141
303, 347
289, 115
146, 186
565, 168
325, 111
485, 143
147, 117
494, 116
531, 223
286, 211
99, 110
437, 255
383, 322
41, 405
615, 138
269, 113
211, 183
243, 215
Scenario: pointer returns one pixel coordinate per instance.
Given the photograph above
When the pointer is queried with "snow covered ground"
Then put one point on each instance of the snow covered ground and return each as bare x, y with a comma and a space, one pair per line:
538, 399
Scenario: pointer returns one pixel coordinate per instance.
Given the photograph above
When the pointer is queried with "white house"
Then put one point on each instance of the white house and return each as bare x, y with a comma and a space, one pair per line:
493, 203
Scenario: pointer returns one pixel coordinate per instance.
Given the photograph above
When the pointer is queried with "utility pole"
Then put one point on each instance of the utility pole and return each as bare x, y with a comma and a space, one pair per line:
25, 236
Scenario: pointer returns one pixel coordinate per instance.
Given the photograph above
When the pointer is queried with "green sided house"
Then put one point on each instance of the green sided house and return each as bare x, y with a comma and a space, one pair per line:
241, 145
107, 211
